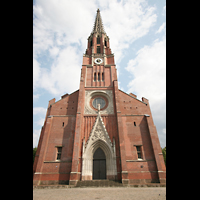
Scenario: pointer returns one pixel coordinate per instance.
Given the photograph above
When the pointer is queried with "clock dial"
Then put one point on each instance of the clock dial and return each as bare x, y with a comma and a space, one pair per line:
98, 60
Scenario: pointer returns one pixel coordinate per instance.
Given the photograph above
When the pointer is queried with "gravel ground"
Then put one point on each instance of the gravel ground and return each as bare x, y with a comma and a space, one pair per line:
150, 193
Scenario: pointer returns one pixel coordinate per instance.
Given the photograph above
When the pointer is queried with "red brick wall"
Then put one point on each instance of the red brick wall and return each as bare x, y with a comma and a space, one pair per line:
120, 125
128, 111
55, 134
132, 110
65, 106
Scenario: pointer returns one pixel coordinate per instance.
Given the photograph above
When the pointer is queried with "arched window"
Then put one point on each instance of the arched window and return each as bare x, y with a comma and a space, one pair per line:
59, 151
105, 43
95, 76
134, 123
90, 43
102, 76
98, 40
98, 76
139, 152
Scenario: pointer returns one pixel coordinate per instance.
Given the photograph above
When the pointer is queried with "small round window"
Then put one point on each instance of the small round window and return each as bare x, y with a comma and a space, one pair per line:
100, 101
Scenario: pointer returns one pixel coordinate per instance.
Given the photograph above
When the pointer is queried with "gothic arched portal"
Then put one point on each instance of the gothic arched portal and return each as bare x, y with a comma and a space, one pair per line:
99, 147
99, 164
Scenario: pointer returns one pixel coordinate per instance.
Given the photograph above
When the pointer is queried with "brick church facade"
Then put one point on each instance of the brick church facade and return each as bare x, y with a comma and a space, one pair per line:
98, 131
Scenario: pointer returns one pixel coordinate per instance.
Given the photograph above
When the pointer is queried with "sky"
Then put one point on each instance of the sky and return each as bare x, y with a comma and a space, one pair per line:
137, 32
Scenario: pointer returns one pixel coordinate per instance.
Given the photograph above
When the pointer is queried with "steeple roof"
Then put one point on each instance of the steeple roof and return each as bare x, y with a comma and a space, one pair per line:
98, 25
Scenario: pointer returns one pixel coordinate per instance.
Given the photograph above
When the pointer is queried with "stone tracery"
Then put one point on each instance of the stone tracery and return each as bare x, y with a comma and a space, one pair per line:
98, 138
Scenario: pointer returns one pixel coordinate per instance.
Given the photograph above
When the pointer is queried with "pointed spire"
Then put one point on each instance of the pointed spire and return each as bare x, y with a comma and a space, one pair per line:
98, 25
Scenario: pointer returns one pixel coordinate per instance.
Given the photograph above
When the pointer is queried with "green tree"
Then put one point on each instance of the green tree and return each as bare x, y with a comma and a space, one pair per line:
164, 154
34, 152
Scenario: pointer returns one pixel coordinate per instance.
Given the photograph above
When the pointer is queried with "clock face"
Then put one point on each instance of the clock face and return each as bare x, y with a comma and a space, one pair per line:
98, 60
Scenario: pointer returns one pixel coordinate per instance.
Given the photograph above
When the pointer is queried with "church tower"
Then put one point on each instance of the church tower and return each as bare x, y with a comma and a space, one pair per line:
96, 130
99, 131
98, 58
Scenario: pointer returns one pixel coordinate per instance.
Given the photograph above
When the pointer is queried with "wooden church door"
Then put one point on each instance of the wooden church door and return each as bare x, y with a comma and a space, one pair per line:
99, 164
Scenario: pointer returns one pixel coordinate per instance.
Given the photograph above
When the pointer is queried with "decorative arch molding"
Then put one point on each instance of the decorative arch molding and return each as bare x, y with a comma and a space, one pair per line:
99, 138
108, 94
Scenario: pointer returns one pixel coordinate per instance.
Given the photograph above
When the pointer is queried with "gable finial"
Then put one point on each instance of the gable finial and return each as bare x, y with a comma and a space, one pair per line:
98, 108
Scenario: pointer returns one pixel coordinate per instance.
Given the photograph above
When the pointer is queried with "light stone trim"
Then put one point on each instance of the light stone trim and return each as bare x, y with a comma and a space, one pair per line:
105, 93
99, 138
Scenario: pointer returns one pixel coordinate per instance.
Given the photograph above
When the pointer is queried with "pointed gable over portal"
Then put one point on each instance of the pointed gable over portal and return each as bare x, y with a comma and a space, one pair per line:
99, 138
99, 132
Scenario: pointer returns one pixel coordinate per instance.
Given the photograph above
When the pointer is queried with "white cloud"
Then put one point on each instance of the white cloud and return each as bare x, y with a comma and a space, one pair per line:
125, 22
65, 21
39, 110
164, 11
36, 135
64, 73
164, 130
39, 113
161, 28
148, 70
36, 72
54, 51
40, 122
36, 96
61, 29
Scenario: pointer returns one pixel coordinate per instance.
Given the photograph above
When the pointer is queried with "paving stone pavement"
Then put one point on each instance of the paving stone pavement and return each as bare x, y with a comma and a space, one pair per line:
102, 193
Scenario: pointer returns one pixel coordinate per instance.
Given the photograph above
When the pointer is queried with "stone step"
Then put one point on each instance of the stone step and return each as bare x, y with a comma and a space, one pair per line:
99, 183
52, 186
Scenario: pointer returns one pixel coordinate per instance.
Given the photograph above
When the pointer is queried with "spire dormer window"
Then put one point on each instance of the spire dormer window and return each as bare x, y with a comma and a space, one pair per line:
98, 50
90, 43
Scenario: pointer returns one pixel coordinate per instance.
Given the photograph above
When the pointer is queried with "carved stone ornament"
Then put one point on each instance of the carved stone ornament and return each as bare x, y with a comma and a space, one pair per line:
98, 138
108, 94
98, 133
